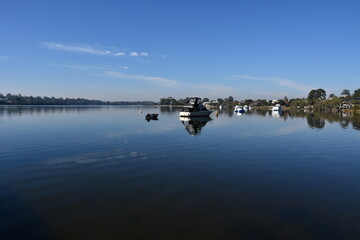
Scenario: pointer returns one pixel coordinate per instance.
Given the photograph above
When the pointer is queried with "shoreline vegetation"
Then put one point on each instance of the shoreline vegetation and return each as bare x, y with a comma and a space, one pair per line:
11, 99
316, 100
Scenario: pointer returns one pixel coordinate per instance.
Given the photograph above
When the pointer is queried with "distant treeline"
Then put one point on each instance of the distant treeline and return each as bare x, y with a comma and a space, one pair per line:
10, 99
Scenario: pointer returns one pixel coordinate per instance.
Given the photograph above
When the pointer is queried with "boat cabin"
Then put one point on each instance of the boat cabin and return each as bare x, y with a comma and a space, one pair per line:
194, 101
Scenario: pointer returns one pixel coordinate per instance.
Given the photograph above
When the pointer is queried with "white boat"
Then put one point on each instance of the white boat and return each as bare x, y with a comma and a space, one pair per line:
194, 108
239, 109
277, 107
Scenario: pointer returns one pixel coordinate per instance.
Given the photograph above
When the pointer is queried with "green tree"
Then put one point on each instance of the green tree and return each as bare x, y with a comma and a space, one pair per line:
316, 95
297, 103
264, 102
230, 99
345, 92
205, 99
248, 101
332, 95
357, 93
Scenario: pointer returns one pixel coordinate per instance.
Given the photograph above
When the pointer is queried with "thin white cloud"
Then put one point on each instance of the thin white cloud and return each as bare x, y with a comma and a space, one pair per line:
4, 57
157, 80
279, 81
79, 67
164, 56
120, 54
76, 49
123, 67
84, 67
134, 54
87, 49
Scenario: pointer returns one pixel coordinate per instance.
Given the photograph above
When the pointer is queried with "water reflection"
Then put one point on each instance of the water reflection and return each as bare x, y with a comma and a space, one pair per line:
276, 114
316, 119
194, 124
38, 110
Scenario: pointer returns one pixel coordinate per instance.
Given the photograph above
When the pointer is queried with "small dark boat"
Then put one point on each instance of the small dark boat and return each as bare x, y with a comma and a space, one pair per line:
152, 116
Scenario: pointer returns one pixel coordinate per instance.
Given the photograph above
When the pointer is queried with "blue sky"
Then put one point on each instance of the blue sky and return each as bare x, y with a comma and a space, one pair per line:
145, 50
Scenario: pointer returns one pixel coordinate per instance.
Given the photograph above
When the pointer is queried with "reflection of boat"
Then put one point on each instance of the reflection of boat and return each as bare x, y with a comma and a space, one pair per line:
152, 116
194, 108
277, 107
275, 113
194, 124
239, 109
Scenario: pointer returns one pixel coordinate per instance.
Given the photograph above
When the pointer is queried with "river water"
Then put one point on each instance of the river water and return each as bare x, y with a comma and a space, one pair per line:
104, 172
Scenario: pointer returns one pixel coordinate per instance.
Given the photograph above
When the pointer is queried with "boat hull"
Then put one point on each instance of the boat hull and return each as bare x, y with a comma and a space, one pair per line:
195, 114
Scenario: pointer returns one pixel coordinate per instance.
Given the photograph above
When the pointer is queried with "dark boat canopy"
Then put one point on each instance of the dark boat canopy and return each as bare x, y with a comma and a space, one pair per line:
194, 101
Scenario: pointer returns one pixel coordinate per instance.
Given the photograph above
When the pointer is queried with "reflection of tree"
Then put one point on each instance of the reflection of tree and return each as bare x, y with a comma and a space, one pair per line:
194, 124
344, 123
168, 109
262, 112
315, 121
30, 110
356, 121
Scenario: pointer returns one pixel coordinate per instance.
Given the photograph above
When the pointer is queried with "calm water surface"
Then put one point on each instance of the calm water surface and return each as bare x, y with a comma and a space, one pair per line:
106, 173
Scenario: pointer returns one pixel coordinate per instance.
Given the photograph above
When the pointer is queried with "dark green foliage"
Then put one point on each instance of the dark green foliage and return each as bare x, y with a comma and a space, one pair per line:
248, 101
357, 93
345, 92
10, 99
297, 103
316, 95
332, 95
328, 105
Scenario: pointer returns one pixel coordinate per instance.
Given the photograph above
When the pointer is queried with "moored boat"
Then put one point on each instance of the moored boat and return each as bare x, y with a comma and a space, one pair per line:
152, 116
239, 109
194, 108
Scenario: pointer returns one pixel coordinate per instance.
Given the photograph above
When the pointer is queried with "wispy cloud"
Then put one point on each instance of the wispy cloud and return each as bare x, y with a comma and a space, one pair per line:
2, 57
137, 54
88, 49
77, 49
134, 54
123, 67
157, 80
279, 81
84, 67
79, 67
